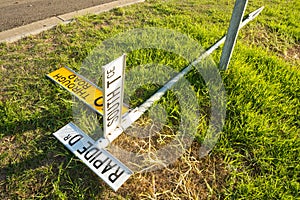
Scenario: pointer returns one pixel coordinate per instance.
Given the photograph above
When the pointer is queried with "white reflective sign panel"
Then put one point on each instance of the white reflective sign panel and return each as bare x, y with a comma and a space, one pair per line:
108, 168
113, 82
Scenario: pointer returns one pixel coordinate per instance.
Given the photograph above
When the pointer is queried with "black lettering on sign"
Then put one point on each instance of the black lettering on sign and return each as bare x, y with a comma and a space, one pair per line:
112, 116
75, 139
108, 167
69, 82
114, 107
110, 82
91, 153
70, 86
66, 82
99, 163
111, 73
82, 94
81, 82
57, 76
76, 89
78, 80
114, 176
86, 86
114, 94
62, 79
98, 103
67, 137
85, 96
72, 76
115, 119
96, 156
84, 149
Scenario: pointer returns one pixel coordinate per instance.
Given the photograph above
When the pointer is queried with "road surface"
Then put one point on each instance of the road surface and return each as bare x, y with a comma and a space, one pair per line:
14, 13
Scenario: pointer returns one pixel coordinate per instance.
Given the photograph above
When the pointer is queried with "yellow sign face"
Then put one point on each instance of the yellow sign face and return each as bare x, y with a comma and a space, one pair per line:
81, 88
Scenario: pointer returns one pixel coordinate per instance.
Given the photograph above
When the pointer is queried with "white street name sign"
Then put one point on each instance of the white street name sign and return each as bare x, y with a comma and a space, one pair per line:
113, 87
105, 165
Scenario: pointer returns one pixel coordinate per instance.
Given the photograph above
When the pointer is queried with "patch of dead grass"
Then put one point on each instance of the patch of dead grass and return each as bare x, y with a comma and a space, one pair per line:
293, 53
265, 37
188, 178
177, 177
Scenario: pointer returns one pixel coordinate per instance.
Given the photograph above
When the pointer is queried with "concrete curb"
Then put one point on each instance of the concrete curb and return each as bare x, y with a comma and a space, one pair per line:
35, 28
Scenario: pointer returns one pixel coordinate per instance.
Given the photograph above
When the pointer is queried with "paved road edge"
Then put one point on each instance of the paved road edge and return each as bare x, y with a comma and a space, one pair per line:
35, 28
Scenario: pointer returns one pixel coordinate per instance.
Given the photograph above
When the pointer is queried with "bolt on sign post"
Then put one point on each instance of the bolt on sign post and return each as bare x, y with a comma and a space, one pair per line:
232, 33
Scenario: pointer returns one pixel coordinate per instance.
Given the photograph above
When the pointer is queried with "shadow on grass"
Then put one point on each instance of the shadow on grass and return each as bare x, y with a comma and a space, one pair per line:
46, 121
43, 167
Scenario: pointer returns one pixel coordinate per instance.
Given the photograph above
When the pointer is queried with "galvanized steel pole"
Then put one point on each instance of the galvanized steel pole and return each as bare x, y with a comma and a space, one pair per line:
232, 33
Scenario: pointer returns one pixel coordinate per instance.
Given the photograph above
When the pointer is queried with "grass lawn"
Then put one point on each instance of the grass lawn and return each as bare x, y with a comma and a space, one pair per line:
257, 155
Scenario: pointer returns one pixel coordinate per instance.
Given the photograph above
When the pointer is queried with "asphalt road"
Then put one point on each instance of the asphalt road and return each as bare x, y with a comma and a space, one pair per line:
14, 13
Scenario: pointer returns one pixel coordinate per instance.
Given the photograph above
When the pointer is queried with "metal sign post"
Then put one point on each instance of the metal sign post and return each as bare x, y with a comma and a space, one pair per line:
236, 18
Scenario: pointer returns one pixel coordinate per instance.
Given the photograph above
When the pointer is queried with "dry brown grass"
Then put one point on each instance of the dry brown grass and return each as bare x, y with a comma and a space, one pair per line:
188, 177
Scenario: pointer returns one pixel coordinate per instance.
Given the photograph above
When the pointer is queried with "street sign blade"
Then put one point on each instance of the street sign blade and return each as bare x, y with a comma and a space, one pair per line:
81, 88
100, 161
113, 84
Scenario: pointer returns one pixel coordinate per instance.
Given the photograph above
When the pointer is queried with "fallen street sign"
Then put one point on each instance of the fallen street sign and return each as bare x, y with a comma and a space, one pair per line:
109, 104
100, 161
80, 87
113, 84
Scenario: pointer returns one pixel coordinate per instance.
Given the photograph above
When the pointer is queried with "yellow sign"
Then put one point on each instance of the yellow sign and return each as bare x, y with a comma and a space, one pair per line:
81, 88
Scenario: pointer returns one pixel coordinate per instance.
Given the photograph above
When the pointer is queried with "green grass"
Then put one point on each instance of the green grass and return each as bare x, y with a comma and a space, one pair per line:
257, 156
